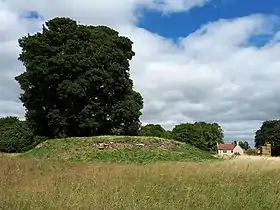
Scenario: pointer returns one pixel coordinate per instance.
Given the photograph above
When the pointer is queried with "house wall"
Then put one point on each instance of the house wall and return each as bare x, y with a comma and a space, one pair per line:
228, 152
238, 149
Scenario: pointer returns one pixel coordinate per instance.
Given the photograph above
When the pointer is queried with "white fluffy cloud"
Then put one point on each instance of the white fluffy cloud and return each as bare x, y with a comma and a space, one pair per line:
213, 74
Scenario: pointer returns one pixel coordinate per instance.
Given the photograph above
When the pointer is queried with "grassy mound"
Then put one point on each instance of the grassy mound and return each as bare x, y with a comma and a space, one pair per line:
84, 150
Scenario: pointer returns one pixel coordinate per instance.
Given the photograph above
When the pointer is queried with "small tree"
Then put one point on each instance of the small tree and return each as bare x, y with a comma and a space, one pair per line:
155, 130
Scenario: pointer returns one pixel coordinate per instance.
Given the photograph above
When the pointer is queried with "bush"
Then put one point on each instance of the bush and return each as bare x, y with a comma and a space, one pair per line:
251, 152
16, 136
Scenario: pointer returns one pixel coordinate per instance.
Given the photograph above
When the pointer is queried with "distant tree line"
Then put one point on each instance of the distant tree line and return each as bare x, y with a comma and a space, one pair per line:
243, 144
202, 135
17, 136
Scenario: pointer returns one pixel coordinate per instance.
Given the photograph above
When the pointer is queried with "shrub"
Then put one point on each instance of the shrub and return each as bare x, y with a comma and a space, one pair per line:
251, 151
15, 136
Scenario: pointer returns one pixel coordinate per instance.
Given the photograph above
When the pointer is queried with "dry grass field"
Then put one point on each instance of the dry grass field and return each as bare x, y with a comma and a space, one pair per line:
27, 183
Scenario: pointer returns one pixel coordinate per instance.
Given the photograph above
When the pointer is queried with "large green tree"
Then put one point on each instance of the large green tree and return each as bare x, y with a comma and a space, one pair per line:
77, 81
269, 132
202, 135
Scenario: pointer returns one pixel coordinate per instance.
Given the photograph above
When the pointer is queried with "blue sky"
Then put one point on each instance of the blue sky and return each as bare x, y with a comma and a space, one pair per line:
183, 23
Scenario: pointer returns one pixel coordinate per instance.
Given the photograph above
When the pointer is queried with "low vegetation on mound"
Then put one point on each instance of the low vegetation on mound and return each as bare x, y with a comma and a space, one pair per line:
117, 149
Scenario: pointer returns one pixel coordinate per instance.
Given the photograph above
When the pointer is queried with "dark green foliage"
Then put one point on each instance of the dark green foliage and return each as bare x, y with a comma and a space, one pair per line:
244, 145
252, 151
155, 130
202, 135
6, 122
269, 132
167, 135
15, 136
77, 81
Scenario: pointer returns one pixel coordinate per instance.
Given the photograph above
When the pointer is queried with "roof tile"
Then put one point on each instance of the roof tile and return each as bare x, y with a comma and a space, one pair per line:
225, 146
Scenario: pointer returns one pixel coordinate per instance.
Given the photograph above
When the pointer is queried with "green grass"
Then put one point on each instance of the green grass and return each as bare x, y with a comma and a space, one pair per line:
82, 150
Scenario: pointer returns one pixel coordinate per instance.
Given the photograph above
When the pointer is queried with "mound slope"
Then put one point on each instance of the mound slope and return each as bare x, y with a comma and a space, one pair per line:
117, 149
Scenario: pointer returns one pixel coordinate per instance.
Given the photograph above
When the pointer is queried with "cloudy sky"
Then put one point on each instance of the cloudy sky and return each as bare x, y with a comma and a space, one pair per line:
196, 60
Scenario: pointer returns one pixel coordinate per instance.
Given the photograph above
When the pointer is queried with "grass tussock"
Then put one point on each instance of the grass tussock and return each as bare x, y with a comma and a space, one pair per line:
237, 184
82, 150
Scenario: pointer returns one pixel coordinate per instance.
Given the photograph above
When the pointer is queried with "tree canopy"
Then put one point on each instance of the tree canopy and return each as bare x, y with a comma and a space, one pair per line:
269, 132
155, 130
202, 135
244, 145
77, 81
16, 136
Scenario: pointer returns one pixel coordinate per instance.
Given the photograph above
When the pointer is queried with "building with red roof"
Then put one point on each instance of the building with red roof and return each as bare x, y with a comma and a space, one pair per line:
229, 149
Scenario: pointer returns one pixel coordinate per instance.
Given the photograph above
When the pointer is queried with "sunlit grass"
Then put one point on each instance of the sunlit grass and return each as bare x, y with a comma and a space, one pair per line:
43, 184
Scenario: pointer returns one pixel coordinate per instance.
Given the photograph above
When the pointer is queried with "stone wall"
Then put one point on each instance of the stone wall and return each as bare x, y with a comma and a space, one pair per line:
117, 145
